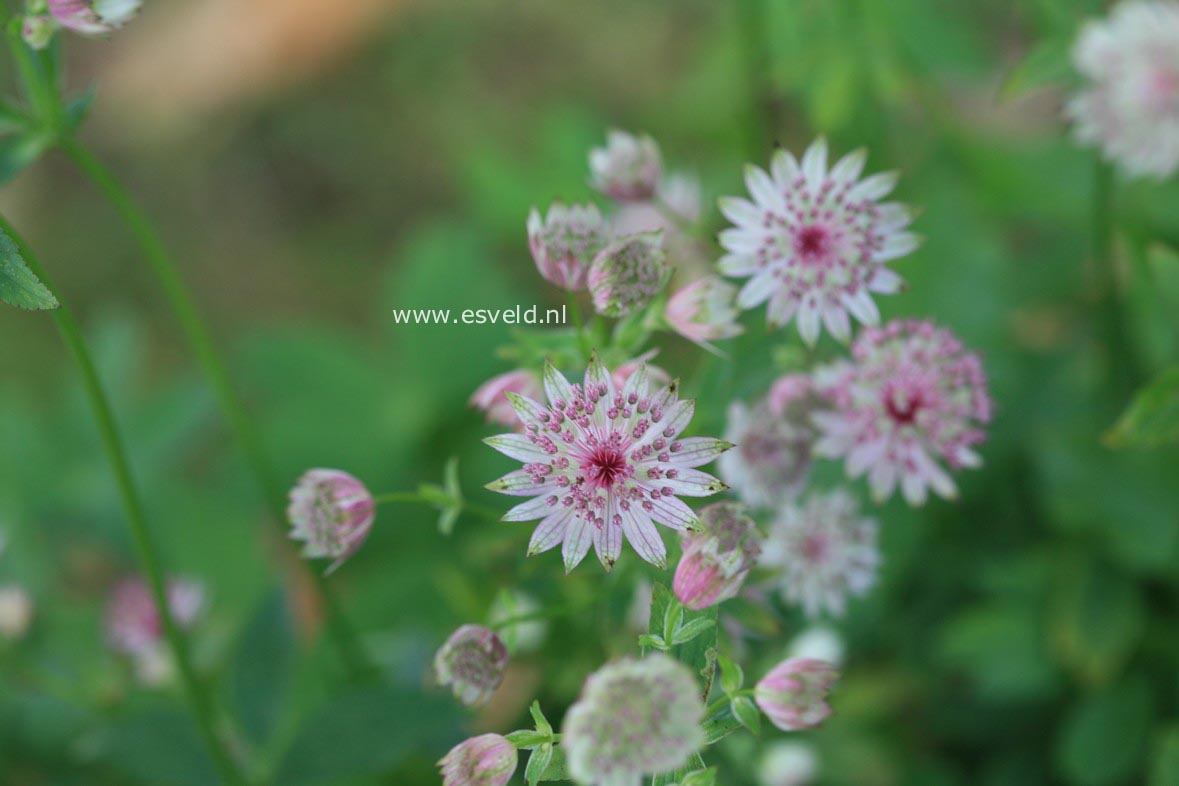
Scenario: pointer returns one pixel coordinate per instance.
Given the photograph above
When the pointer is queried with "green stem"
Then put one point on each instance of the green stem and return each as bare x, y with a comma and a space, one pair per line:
583, 338
544, 614
41, 92
416, 497
1119, 347
199, 337
762, 122
199, 699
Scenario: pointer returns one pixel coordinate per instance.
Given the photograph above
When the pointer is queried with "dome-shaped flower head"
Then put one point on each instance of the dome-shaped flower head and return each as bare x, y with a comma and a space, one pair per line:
772, 458
815, 241
601, 463
332, 513
824, 550
634, 718
1130, 108
794, 694
93, 17
16, 612
486, 760
718, 557
912, 397
491, 397
628, 168
134, 627
472, 663
704, 311
565, 242
628, 273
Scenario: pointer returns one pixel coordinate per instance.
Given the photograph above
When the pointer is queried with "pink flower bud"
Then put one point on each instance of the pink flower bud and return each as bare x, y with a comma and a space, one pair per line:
37, 30
486, 760
794, 694
565, 241
332, 513
93, 17
717, 559
627, 274
472, 663
491, 397
704, 311
628, 169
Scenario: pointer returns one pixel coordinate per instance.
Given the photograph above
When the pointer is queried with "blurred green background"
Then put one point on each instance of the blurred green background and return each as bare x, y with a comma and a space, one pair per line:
314, 164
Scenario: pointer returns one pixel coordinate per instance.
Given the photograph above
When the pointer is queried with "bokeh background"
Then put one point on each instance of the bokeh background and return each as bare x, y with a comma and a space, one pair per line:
315, 164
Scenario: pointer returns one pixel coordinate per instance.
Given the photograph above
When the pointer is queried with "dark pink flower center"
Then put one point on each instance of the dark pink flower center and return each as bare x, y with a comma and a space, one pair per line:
902, 406
605, 466
814, 547
812, 242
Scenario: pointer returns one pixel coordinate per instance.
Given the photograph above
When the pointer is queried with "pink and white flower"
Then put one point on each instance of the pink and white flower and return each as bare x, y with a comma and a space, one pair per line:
793, 695
486, 760
565, 242
135, 628
628, 168
717, 559
93, 17
655, 375
814, 241
772, 459
472, 662
824, 551
603, 463
913, 397
634, 718
491, 397
704, 311
332, 513
1130, 106
628, 273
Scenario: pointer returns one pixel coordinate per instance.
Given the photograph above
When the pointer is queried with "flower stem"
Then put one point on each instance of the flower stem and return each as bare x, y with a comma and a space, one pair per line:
199, 699
414, 496
199, 337
762, 122
1119, 348
583, 339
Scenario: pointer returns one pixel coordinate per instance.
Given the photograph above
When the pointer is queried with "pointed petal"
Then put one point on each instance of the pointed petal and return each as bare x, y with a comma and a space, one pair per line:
644, 538
885, 281
808, 323
529, 411
598, 375
578, 537
738, 265
550, 531
675, 419
519, 447
697, 451
850, 166
757, 289
608, 538
761, 187
740, 211
538, 508
519, 483
692, 483
784, 168
556, 387
837, 323
862, 307
874, 187
671, 512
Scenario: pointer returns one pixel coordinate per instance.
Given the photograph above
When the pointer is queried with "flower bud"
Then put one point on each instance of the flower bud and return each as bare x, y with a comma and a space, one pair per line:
717, 559
628, 273
565, 242
16, 612
704, 311
93, 17
491, 397
794, 693
486, 760
332, 513
37, 30
472, 663
628, 169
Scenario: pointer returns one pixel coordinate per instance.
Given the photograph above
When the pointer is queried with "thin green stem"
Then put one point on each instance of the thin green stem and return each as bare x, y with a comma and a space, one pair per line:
38, 87
1119, 347
583, 338
199, 337
417, 497
199, 699
554, 612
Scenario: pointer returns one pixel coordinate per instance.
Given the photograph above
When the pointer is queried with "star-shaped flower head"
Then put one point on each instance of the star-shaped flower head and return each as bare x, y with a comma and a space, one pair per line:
814, 241
602, 463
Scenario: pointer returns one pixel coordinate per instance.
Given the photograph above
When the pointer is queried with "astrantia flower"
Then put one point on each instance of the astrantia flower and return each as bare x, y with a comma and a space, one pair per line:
16, 612
794, 694
565, 241
704, 311
825, 552
93, 17
332, 513
602, 463
486, 760
717, 558
1130, 109
788, 764
772, 458
628, 168
634, 718
674, 210
135, 628
491, 397
627, 274
815, 241
472, 663
913, 397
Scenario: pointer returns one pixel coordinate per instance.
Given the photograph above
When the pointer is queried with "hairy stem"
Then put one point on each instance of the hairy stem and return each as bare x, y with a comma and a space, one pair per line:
199, 699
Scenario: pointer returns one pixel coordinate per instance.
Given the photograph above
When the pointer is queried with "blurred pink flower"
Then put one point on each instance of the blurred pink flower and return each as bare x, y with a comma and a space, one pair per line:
717, 559
912, 396
628, 168
93, 17
565, 241
772, 459
704, 311
332, 513
628, 273
472, 663
486, 760
655, 374
815, 241
492, 399
793, 695
134, 627
602, 463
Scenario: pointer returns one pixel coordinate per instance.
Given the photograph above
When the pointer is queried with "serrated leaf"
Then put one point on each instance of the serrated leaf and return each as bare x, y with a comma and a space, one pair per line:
745, 711
538, 762
1153, 417
18, 285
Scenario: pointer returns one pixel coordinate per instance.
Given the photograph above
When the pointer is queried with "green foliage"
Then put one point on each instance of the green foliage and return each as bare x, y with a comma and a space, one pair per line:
1104, 736
18, 286
1153, 417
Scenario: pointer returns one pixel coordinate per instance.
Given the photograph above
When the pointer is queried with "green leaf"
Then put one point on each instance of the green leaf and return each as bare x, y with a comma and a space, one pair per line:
747, 713
1164, 768
528, 739
691, 630
1103, 739
19, 151
720, 725
700, 778
695, 763
700, 652
542, 723
262, 668
18, 286
162, 747
1046, 64
1097, 621
12, 118
557, 769
538, 762
1153, 417
732, 675
78, 107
